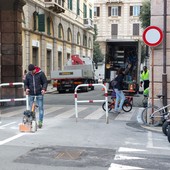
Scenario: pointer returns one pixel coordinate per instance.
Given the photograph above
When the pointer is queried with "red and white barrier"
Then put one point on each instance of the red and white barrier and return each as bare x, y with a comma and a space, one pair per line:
91, 101
15, 99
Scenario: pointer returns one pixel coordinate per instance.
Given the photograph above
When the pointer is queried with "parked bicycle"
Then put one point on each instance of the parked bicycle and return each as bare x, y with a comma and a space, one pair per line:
127, 105
154, 115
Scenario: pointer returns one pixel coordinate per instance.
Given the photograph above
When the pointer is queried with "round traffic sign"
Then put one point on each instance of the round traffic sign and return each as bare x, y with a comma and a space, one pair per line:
152, 36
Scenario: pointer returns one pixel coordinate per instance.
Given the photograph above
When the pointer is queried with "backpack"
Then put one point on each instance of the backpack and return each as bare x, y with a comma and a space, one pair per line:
113, 83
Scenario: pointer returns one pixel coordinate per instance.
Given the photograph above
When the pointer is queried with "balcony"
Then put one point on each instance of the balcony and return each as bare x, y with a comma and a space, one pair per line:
114, 1
88, 23
55, 5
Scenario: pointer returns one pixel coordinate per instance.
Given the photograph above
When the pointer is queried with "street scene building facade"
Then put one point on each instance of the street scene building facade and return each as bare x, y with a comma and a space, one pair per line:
119, 35
53, 30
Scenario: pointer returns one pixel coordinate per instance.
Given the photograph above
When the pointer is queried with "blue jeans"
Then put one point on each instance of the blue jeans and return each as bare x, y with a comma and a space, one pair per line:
40, 103
120, 97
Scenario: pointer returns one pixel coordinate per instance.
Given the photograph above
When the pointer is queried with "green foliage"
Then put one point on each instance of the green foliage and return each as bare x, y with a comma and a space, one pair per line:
97, 54
145, 13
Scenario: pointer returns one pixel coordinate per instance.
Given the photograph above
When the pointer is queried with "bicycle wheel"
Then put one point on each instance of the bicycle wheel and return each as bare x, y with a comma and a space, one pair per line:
165, 127
127, 106
168, 134
109, 106
155, 120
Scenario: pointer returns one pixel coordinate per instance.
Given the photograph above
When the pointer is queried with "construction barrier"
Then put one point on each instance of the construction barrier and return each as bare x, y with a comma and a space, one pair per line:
91, 101
15, 99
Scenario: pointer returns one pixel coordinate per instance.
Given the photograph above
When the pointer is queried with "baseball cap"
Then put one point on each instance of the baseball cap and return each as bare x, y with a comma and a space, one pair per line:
31, 67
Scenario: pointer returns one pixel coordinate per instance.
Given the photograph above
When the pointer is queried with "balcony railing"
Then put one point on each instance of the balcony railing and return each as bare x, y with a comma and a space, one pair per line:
55, 5
88, 23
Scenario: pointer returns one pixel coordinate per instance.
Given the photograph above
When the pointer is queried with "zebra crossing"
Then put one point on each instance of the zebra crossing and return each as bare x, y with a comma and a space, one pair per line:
64, 112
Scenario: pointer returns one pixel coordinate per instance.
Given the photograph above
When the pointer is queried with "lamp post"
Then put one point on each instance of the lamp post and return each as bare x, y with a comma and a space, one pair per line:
164, 75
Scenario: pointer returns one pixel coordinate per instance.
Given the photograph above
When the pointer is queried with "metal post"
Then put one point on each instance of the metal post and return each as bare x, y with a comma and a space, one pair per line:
164, 75
152, 49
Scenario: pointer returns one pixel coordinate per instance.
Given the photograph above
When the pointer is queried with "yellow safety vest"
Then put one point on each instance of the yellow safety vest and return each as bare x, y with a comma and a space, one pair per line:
145, 75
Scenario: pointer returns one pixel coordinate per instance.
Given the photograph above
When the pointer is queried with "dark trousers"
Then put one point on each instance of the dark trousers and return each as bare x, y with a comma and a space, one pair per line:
146, 84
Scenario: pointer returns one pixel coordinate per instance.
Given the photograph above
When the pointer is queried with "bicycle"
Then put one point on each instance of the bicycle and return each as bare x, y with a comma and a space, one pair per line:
127, 105
154, 115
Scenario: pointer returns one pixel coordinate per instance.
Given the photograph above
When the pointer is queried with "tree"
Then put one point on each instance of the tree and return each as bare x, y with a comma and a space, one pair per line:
145, 13
144, 17
97, 54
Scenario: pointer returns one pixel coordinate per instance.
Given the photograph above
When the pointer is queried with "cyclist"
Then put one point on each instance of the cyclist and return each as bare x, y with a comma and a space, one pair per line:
118, 88
36, 85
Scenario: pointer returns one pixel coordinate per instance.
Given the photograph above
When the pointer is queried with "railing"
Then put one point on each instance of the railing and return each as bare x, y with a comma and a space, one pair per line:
91, 101
15, 99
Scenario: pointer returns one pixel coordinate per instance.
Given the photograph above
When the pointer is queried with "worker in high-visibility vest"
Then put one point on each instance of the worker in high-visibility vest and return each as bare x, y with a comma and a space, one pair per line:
145, 77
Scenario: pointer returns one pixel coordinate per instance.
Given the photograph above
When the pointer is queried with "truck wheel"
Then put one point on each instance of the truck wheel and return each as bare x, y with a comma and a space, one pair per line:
61, 91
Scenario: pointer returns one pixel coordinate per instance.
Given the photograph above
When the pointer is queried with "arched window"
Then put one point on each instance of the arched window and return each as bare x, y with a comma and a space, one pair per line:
84, 40
89, 43
48, 26
60, 31
35, 21
69, 36
78, 38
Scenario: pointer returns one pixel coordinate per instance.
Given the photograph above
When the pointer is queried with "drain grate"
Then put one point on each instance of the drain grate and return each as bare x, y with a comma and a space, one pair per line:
69, 155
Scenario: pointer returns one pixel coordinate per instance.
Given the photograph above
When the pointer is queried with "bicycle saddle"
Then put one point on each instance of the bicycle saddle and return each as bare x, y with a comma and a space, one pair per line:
160, 96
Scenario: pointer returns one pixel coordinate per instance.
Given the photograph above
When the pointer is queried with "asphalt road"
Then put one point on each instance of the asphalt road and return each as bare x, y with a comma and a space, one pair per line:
88, 144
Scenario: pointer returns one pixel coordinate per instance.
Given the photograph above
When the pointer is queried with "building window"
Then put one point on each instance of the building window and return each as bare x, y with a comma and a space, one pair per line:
60, 31
78, 38
69, 4
78, 7
35, 20
48, 26
135, 29
135, 10
90, 13
96, 11
69, 34
41, 22
114, 30
84, 10
59, 60
84, 40
114, 11
90, 43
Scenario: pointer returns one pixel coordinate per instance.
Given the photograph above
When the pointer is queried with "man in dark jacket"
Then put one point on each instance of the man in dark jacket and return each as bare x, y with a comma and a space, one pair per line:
36, 85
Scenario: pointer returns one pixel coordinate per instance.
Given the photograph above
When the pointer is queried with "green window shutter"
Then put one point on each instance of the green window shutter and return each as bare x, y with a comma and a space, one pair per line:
90, 13
71, 4
84, 10
78, 7
41, 22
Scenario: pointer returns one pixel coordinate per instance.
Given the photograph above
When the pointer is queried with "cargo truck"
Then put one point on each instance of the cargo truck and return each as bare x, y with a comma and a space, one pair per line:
77, 71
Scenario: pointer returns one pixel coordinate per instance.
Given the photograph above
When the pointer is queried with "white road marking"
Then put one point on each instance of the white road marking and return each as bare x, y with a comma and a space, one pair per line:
122, 149
69, 113
11, 138
124, 157
8, 124
51, 109
122, 167
125, 115
150, 141
13, 113
97, 114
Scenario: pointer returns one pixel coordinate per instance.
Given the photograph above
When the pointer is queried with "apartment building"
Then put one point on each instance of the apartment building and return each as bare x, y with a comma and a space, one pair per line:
53, 30
119, 35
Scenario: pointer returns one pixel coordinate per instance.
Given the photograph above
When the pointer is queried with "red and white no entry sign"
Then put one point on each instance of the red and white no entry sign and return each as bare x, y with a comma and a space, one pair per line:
152, 36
